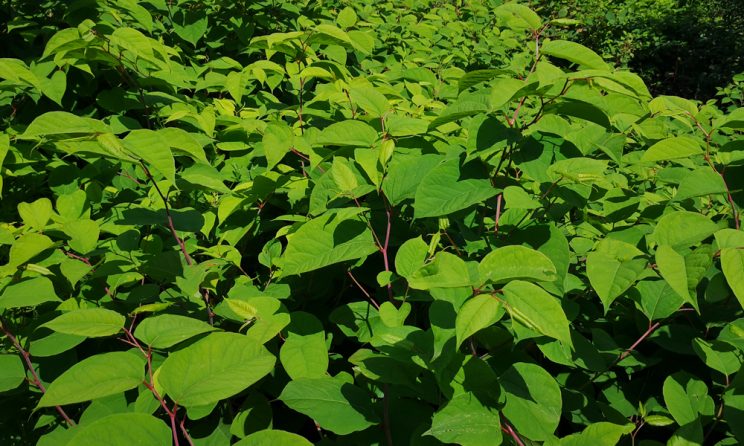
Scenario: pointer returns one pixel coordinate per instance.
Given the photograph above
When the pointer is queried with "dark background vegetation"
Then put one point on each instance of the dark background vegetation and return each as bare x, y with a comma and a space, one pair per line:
688, 48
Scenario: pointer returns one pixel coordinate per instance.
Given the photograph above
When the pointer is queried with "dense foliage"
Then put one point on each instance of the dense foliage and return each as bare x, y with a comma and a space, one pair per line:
682, 47
358, 223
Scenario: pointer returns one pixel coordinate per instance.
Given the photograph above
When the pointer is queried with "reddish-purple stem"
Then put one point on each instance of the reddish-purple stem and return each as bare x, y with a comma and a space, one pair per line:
631, 349
30, 366
384, 248
172, 227
506, 427
150, 384
371, 299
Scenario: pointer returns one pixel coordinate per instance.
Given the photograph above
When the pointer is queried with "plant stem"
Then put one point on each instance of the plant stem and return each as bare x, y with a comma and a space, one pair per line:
172, 227
150, 385
506, 427
386, 415
30, 366
384, 248
498, 214
371, 299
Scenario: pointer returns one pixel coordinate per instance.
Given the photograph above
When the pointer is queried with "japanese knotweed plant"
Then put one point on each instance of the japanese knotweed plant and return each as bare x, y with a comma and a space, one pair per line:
357, 223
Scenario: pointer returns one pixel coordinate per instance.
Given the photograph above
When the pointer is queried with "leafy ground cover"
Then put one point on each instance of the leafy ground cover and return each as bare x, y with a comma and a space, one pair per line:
385, 223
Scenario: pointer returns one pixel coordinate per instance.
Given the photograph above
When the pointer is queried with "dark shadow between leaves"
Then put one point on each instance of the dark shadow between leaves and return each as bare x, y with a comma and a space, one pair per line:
187, 220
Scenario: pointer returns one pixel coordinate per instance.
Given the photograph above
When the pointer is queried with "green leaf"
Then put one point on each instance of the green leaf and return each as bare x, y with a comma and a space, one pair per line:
167, 330
734, 120
533, 400
123, 429
83, 234
732, 263
718, 355
475, 77
613, 268
534, 308
528, 16
681, 229
278, 140
214, 368
348, 133
672, 148
672, 267
411, 256
343, 176
154, 149
578, 170
445, 271
442, 191
36, 214
347, 17
657, 299
334, 237
370, 100
683, 401
476, 314
63, 123
700, 182
25, 248
600, 434
95, 377
28, 293
189, 26
334, 404
205, 176
468, 105
270, 437
516, 262
467, 422
405, 175
12, 372
574, 52
54, 87
304, 353
89, 322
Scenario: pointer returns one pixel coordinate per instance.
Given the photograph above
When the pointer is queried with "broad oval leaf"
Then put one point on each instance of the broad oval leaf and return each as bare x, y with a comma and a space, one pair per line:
681, 229
334, 237
304, 353
732, 263
574, 52
442, 191
214, 368
271, 437
534, 308
123, 429
533, 400
89, 322
167, 330
466, 421
476, 314
334, 404
673, 148
348, 133
12, 372
516, 262
95, 377
28, 293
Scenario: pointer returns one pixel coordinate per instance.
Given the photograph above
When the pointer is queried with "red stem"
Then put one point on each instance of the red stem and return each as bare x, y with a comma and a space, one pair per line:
150, 384
371, 299
506, 427
30, 366
384, 248
168, 214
